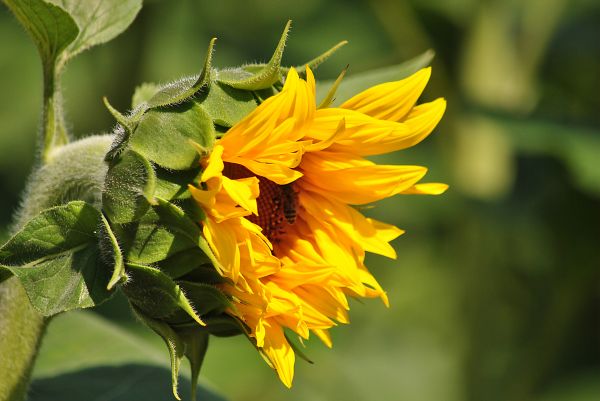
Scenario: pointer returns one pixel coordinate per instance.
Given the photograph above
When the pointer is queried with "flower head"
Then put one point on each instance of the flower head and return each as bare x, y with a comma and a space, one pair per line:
279, 191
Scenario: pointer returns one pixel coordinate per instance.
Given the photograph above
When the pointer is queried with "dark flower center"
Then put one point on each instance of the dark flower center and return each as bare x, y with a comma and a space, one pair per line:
277, 204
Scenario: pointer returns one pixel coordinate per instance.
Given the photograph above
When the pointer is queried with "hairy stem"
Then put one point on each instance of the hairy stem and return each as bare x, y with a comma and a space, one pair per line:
74, 172
54, 134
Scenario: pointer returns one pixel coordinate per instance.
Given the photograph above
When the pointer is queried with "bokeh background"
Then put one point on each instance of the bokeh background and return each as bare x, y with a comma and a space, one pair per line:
496, 291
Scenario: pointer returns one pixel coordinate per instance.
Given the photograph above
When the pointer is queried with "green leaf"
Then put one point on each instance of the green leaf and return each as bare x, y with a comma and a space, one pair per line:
354, 84
57, 260
226, 105
156, 294
129, 188
163, 135
263, 78
99, 20
51, 27
101, 356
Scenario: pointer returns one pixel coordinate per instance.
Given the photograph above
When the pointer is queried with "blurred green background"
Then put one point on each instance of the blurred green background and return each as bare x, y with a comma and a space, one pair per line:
496, 291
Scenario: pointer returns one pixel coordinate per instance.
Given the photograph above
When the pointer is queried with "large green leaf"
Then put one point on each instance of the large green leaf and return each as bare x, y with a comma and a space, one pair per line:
51, 27
98, 20
83, 354
356, 83
57, 259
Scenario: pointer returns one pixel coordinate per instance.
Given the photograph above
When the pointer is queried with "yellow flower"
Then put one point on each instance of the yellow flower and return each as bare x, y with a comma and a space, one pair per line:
278, 190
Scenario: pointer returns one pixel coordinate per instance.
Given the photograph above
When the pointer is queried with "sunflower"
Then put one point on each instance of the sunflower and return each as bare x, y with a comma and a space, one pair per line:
279, 190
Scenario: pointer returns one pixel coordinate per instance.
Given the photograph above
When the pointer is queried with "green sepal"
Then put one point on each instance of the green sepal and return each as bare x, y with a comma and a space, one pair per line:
57, 259
192, 209
222, 325
205, 297
297, 350
129, 188
122, 132
225, 326
203, 273
163, 232
172, 185
153, 241
226, 105
143, 93
118, 145
317, 61
174, 344
182, 90
357, 83
196, 345
107, 236
265, 77
121, 119
163, 135
186, 263
178, 221
156, 294
330, 97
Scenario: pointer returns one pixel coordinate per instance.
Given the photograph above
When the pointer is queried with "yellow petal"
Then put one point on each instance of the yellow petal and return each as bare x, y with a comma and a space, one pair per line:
345, 221
243, 191
355, 181
392, 100
433, 188
214, 165
277, 173
280, 354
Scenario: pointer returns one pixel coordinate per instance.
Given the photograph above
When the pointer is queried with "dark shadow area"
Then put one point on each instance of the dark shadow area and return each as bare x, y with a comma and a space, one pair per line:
114, 383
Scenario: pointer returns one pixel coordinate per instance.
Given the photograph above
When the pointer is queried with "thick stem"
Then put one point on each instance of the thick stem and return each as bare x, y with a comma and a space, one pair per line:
74, 172
21, 330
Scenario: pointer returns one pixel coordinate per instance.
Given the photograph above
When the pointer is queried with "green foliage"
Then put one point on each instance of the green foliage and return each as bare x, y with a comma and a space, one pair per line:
56, 258
51, 27
99, 21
